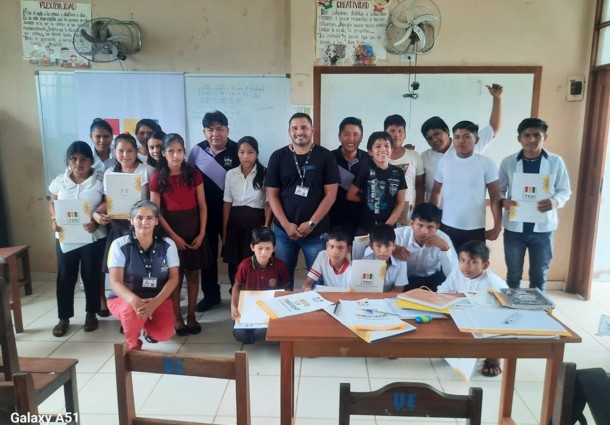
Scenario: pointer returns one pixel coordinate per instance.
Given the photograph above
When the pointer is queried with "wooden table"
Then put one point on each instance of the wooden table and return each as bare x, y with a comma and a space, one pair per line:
319, 335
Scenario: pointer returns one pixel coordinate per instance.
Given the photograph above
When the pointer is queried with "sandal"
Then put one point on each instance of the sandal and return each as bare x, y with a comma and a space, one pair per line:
491, 367
193, 326
149, 339
182, 330
61, 328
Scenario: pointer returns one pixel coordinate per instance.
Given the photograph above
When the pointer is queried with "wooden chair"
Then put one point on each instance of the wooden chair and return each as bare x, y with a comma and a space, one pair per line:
128, 361
17, 396
9, 258
48, 375
577, 388
410, 399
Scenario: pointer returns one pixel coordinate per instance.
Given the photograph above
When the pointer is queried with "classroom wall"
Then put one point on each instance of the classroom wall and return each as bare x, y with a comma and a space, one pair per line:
277, 36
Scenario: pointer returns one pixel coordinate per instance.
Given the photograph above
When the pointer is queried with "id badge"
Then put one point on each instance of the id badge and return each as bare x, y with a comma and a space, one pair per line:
149, 282
301, 191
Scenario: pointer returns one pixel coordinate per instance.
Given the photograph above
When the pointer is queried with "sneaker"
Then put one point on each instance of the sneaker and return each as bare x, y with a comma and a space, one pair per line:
206, 304
61, 328
90, 322
149, 339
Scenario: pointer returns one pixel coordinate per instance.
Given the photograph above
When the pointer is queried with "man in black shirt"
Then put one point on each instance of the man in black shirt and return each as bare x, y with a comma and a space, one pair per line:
301, 182
213, 157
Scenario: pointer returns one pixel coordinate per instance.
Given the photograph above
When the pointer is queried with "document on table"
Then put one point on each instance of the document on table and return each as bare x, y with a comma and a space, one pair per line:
369, 319
252, 316
122, 191
368, 275
70, 215
293, 304
527, 189
506, 321
409, 313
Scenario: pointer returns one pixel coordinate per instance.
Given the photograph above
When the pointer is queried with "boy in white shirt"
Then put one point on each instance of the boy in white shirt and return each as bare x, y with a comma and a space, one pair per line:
463, 177
474, 275
383, 242
331, 267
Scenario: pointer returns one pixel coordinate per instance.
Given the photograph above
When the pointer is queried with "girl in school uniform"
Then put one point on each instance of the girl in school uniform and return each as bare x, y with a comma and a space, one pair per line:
177, 188
144, 128
100, 133
155, 145
244, 205
127, 161
81, 182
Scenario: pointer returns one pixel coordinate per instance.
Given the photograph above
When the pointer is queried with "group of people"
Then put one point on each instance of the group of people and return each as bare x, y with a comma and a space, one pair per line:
423, 214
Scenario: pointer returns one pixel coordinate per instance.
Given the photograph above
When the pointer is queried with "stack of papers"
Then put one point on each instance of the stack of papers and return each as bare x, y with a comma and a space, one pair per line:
507, 322
368, 275
71, 214
426, 300
252, 316
369, 319
291, 305
122, 191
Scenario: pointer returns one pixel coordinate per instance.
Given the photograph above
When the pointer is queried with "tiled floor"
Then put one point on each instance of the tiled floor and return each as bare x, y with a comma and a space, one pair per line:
317, 390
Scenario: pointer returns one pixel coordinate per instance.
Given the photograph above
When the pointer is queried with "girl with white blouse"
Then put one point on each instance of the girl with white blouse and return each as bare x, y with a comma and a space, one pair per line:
80, 182
244, 205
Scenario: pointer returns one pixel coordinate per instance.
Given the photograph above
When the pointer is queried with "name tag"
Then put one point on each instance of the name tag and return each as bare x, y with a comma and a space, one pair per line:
149, 282
301, 191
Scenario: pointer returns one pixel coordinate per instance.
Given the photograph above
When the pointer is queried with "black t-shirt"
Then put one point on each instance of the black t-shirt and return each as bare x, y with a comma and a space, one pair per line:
282, 173
346, 213
379, 189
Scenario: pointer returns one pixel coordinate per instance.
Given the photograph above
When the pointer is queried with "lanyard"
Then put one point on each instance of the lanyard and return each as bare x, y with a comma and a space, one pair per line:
147, 258
296, 163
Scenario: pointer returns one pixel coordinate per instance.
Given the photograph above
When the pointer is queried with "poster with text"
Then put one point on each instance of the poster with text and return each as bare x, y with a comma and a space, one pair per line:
47, 28
351, 31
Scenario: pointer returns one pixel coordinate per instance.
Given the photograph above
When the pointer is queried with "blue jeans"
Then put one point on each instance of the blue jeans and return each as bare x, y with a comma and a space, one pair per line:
540, 248
287, 249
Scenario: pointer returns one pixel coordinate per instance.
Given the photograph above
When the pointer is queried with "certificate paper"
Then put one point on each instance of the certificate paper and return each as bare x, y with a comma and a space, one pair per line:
368, 275
122, 191
527, 190
251, 315
291, 305
70, 215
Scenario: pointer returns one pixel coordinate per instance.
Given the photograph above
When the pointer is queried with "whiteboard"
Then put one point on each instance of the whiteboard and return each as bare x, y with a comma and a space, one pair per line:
255, 105
454, 97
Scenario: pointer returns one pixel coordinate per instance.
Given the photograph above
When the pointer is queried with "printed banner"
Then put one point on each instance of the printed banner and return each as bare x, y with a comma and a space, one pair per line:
351, 31
47, 28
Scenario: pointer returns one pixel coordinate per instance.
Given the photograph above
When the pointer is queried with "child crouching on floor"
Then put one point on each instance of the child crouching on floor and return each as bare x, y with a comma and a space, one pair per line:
383, 241
332, 267
473, 274
260, 272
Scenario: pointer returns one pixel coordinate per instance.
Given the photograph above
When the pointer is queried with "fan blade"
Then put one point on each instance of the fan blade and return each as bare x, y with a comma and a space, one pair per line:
421, 37
97, 49
104, 30
404, 38
88, 37
117, 37
424, 18
115, 51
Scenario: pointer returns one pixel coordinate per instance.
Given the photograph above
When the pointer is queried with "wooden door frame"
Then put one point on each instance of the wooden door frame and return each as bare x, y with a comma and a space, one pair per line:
590, 181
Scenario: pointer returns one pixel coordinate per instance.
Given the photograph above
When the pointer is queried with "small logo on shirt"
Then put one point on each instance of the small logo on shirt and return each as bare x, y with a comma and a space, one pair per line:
228, 161
164, 266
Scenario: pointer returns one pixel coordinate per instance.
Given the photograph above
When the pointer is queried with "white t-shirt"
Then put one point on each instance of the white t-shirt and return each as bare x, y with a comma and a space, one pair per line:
322, 268
102, 166
90, 190
457, 282
430, 158
412, 165
464, 189
240, 191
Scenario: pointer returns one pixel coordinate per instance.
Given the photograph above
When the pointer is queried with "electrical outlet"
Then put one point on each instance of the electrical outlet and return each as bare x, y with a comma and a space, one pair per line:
576, 88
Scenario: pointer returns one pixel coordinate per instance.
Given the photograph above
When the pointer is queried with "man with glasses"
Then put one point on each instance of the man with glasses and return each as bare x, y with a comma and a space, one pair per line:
216, 155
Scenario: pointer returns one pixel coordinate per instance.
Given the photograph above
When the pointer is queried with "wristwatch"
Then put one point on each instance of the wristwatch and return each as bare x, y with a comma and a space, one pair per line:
312, 224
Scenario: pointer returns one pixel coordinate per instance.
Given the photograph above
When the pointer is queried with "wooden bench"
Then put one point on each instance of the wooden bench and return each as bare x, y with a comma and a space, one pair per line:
10, 257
